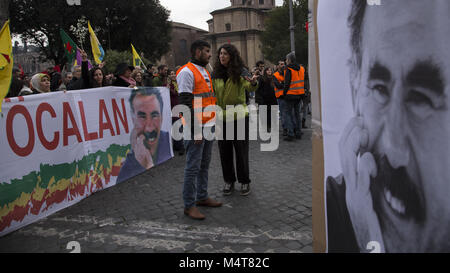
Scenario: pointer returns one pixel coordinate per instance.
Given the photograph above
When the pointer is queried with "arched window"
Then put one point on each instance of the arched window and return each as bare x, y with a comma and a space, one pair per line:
183, 47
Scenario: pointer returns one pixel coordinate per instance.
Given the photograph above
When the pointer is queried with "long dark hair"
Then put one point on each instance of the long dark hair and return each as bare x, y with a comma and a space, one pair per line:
93, 83
235, 66
268, 79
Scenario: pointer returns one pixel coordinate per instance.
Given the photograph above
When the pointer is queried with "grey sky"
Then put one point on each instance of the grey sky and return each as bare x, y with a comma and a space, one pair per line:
196, 12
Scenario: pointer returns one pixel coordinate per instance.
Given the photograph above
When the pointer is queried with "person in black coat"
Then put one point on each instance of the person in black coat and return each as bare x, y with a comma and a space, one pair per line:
16, 84
123, 76
267, 93
93, 78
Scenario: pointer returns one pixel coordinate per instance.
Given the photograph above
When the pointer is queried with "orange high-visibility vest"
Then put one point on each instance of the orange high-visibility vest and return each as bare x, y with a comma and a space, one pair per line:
280, 78
201, 91
297, 86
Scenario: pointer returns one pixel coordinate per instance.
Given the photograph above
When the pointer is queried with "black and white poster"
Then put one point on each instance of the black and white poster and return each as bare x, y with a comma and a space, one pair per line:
385, 94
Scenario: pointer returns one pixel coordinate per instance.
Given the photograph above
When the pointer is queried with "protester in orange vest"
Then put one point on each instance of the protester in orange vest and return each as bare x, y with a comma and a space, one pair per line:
194, 83
294, 90
279, 85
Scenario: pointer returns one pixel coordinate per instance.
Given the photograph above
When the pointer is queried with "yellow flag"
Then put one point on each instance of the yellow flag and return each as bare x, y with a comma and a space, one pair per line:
97, 49
137, 61
6, 62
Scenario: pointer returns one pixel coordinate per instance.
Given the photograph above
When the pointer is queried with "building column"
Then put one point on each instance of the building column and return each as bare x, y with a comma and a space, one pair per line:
244, 48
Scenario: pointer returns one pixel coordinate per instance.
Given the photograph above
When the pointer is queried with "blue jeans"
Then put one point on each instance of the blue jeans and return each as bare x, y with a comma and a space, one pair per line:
304, 109
292, 117
282, 105
198, 157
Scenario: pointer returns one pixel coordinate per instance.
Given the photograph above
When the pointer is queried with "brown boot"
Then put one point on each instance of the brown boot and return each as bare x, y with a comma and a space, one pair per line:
209, 203
194, 213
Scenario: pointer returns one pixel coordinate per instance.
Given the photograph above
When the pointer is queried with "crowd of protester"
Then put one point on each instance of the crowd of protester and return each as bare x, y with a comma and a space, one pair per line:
227, 81
125, 75
81, 77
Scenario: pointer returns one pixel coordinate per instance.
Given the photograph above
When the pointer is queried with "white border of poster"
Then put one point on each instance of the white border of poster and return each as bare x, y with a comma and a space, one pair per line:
397, 197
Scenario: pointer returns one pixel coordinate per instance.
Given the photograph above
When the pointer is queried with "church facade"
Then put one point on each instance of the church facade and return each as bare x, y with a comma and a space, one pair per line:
241, 24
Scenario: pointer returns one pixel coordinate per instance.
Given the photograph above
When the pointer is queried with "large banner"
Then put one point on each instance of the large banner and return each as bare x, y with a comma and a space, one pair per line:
385, 83
59, 148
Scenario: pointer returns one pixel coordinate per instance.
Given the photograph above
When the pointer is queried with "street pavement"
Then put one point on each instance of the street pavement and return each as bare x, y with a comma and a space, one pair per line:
145, 214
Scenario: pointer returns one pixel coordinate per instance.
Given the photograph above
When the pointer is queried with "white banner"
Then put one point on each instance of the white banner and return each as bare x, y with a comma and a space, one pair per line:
59, 148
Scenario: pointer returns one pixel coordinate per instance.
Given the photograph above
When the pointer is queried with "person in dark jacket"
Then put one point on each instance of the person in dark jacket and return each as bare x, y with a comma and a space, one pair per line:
292, 109
123, 76
55, 77
161, 79
173, 87
16, 84
267, 93
93, 78
76, 82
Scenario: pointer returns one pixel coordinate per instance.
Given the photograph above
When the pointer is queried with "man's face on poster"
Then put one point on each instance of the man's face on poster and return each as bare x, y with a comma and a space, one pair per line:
402, 95
147, 120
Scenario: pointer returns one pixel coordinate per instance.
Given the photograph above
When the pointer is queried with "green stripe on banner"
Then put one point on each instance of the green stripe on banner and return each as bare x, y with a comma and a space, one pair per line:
26, 184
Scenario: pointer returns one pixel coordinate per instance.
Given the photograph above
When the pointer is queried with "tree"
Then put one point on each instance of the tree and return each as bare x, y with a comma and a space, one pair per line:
114, 57
117, 23
276, 37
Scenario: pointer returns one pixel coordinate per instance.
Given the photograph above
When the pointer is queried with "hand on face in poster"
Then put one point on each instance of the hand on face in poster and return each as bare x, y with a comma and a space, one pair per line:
141, 153
358, 168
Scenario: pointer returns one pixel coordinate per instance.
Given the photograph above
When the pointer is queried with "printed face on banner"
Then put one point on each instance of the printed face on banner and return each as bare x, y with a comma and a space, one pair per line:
395, 150
147, 121
150, 144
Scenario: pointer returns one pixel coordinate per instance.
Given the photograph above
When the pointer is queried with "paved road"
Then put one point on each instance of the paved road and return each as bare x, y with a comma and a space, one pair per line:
145, 214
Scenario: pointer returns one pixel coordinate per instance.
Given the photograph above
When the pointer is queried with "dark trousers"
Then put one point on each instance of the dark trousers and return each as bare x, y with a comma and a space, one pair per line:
177, 145
227, 149
266, 120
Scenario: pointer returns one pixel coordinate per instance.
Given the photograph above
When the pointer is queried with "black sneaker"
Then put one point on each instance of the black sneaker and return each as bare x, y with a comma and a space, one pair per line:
228, 189
285, 132
245, 189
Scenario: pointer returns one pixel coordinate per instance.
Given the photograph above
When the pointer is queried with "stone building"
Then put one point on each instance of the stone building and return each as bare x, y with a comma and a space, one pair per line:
241, 24
30, 59
182, 37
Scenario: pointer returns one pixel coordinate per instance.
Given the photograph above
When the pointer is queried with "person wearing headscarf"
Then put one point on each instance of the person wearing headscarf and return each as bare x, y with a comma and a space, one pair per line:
40, 83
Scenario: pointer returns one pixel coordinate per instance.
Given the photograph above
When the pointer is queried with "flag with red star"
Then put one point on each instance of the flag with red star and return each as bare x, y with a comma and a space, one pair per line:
69, 46
6, 61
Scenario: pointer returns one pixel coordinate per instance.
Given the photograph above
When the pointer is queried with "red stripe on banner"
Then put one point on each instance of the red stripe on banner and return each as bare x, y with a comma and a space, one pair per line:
7, 100
21, 98
115, 170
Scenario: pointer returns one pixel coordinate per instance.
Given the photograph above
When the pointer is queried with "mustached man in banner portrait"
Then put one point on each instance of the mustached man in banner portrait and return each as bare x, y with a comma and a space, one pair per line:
150, 144
386, 139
